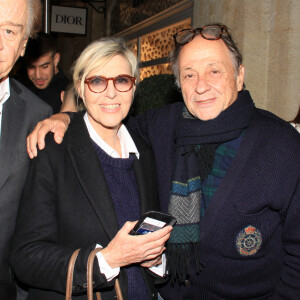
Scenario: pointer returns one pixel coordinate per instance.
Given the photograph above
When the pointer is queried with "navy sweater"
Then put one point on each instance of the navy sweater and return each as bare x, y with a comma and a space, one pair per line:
124, 193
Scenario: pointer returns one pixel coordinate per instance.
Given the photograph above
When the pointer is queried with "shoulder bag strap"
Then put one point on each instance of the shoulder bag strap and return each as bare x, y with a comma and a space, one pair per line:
90, 278
69, 284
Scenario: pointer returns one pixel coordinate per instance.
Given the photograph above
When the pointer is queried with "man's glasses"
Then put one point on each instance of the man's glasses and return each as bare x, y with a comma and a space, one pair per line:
210, 32
122, 83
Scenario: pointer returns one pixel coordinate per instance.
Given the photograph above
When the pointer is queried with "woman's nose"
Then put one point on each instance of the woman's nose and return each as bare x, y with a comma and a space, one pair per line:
110, 90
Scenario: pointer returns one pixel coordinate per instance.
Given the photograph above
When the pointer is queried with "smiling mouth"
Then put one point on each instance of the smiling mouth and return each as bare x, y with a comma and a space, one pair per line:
39, 82
110, 106
205, 101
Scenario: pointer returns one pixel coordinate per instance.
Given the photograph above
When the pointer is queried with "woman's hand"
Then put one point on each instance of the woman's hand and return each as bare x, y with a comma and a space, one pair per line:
126, 249
58, 124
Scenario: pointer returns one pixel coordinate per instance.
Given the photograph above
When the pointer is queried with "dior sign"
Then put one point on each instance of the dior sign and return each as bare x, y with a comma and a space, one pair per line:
68, 19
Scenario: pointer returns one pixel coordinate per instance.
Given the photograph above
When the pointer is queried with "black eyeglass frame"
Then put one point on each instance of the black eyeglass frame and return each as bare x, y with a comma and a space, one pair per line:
131, 78
196, 31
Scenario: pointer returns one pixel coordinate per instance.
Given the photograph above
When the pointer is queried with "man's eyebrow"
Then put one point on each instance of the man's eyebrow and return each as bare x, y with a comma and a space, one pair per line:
42, 65
45, 64
9, 23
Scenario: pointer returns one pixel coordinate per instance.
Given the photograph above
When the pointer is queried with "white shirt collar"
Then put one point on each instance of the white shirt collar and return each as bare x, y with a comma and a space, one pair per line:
4, 95
4, 91
127, 144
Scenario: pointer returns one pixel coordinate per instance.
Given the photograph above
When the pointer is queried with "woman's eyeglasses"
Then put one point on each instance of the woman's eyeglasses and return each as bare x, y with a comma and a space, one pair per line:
122, 83
210, 32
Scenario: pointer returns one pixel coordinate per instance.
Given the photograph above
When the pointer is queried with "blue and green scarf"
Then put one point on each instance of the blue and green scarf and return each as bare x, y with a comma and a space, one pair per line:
200, 148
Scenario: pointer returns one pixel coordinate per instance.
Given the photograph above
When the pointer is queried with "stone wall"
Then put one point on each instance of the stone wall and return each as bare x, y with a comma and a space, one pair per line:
267, 34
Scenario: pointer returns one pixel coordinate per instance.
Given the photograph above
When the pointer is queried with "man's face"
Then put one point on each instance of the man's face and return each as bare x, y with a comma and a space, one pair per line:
13, 33
42, 70
207, 77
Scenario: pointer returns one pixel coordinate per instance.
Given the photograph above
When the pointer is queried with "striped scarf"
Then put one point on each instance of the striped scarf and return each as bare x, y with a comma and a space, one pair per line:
196, 145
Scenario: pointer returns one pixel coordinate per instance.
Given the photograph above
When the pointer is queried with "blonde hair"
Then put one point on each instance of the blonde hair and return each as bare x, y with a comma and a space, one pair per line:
97, 54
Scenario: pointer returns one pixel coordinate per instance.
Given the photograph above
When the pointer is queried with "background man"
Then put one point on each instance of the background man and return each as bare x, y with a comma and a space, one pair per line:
229, 173
19, 112
41, 61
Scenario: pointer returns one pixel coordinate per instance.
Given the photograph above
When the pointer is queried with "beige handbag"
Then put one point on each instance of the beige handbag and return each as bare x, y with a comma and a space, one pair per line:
89, 277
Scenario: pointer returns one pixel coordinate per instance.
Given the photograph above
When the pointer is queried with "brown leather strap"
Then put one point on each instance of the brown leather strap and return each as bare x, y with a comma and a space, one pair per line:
90, 277
71, 266
98, 296
118, 290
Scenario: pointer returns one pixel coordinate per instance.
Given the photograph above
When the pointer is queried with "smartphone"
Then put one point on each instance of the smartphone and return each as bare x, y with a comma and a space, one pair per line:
152, 221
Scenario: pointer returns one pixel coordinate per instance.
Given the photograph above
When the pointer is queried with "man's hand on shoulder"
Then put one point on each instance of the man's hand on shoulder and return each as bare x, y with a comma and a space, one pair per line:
58, 124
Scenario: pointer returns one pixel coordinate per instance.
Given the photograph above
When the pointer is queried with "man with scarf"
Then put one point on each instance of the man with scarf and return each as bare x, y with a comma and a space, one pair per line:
229, 173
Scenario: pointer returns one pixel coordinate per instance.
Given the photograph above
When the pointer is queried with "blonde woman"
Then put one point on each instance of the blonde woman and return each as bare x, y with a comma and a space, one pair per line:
83, 193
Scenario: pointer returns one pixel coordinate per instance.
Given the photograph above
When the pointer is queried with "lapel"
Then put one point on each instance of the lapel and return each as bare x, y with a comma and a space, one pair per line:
12, 125
141, 171
91, 177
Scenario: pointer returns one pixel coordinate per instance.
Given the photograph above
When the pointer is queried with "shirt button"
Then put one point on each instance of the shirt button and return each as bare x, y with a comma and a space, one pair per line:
187, 283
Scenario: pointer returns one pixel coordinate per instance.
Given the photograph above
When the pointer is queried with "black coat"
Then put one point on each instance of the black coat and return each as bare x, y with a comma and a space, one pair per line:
67, 205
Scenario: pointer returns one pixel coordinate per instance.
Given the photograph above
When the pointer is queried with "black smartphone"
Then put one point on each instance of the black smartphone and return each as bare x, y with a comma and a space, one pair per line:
152, 221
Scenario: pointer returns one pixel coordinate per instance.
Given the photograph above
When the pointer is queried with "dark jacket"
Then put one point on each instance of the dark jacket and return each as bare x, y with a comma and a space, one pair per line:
67, 205
261, 189
20, 112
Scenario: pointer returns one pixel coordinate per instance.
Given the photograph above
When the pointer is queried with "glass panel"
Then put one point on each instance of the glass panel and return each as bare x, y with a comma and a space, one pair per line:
132, 45
158, 44
155, 70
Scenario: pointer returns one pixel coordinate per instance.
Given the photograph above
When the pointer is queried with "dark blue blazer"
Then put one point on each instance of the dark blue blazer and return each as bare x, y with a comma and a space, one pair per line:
21, 112
261, 189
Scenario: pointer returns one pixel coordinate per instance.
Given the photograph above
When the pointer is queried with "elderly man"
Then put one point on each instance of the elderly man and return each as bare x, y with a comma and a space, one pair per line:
229, 173
19, 111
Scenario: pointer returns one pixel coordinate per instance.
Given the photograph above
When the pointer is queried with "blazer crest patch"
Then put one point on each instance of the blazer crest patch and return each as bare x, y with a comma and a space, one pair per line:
248, 241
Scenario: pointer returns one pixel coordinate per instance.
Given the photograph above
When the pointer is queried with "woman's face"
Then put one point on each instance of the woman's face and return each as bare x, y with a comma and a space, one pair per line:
107, 109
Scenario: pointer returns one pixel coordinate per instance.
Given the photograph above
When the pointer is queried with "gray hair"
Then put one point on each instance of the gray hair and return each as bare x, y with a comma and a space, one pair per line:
230, 44
96, 54
34, 17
